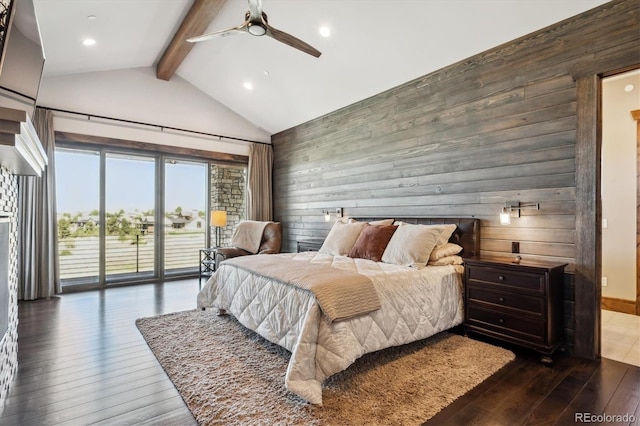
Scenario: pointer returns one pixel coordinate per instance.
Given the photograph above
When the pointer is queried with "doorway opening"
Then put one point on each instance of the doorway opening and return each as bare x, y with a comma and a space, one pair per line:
620, 323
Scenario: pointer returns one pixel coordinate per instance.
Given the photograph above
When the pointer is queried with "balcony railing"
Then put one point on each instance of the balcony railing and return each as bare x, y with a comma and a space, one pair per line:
79, 256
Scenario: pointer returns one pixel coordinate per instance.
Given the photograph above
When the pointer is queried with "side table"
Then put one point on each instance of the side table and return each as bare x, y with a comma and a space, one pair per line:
520, 303
207, 262
309, 244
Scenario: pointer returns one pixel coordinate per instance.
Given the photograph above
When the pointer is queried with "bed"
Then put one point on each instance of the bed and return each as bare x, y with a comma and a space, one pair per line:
413, 302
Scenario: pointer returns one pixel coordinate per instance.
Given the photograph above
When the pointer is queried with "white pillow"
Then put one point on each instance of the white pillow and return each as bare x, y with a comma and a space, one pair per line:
447, 231
411, 245
449, 249
447, 260
341, 238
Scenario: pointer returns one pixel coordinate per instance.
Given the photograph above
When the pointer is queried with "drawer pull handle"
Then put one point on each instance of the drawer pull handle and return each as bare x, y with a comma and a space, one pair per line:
501, 277
501, 321
501, 299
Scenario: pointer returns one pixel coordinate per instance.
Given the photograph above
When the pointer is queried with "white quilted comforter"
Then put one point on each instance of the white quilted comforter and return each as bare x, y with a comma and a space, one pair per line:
415, 304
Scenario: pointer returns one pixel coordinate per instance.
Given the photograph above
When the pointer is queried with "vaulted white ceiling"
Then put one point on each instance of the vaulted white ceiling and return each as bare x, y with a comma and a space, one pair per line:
375, 45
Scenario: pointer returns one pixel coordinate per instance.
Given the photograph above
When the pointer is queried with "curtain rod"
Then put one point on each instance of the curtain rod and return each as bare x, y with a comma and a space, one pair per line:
162, 128
15, 92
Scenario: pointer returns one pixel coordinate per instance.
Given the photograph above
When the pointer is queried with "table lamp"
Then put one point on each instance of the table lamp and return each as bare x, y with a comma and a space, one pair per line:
218, 219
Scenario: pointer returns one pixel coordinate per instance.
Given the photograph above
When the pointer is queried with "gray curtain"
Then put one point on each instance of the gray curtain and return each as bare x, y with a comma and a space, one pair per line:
259, 200
38, 269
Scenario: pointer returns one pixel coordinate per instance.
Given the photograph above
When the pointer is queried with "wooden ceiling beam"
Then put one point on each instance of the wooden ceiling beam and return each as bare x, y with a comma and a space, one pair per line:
195, 23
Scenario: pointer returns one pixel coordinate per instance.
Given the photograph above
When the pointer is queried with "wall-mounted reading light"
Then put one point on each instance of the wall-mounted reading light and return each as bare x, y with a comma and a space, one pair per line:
327, 213
505, 216
512, 209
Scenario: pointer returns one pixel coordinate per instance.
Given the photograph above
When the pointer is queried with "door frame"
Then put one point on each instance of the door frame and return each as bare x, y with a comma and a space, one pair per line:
636, 116
588, 266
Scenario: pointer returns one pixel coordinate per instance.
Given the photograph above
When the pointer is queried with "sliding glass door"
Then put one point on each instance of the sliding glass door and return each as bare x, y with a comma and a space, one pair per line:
78, 205
185, 217
130, 200
135, 216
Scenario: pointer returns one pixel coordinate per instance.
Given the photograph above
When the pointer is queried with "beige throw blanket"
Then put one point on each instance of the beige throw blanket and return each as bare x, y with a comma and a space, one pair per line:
248, 235
341, 294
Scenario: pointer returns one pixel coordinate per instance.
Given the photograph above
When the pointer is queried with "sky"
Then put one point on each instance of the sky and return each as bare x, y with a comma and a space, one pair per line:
129, 183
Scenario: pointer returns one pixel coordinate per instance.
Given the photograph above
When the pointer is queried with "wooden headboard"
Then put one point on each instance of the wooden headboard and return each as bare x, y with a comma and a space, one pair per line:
467, 234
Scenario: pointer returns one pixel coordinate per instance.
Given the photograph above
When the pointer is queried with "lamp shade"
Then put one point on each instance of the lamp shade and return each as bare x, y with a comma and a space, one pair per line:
218, 218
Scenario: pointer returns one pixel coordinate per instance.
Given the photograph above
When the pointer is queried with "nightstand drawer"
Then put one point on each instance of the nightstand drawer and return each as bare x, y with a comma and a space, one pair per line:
504, 323
478, 294
498, 278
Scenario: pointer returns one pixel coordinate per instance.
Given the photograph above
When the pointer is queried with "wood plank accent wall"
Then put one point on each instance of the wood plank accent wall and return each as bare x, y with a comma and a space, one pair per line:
461, 141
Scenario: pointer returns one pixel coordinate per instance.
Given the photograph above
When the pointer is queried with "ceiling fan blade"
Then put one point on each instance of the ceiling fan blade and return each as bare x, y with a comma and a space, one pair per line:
256, 24
292, 41
224, 33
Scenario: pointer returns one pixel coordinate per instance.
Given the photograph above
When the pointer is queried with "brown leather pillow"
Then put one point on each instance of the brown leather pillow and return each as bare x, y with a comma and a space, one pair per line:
372, 242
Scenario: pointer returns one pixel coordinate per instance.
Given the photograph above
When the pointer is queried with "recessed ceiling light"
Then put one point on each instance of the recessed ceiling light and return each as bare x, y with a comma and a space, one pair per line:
265, 72
324, 31
92, 17
88, 42
629, 87
247, 85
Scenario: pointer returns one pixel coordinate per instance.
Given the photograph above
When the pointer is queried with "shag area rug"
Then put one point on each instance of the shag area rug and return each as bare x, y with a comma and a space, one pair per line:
227, 374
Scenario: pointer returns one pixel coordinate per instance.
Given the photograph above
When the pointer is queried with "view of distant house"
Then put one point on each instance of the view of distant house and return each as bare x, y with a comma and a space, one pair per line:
190, 221
187, 221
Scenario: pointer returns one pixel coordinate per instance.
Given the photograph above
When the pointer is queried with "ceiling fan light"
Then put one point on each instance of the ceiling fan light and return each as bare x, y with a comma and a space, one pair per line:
256, 29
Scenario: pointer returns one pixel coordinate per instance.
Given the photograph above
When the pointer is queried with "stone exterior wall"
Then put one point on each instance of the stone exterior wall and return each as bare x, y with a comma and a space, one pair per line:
9, 343
228, 192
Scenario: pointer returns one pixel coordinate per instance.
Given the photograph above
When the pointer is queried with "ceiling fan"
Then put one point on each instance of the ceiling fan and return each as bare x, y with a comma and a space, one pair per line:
256, 23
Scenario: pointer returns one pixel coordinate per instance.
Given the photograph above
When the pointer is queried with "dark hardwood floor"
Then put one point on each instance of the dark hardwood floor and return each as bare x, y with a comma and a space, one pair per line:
82, 361
525, 392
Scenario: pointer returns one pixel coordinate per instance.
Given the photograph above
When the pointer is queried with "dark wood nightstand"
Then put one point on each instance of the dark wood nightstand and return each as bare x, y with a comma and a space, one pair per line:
519, 303
309, 244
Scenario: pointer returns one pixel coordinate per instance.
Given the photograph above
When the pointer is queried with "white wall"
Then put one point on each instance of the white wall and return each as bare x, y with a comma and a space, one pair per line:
11, 100
137, 95
619, 185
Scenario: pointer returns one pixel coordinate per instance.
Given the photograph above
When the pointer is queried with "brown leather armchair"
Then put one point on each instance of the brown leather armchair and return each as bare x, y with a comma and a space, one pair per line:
270, 243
